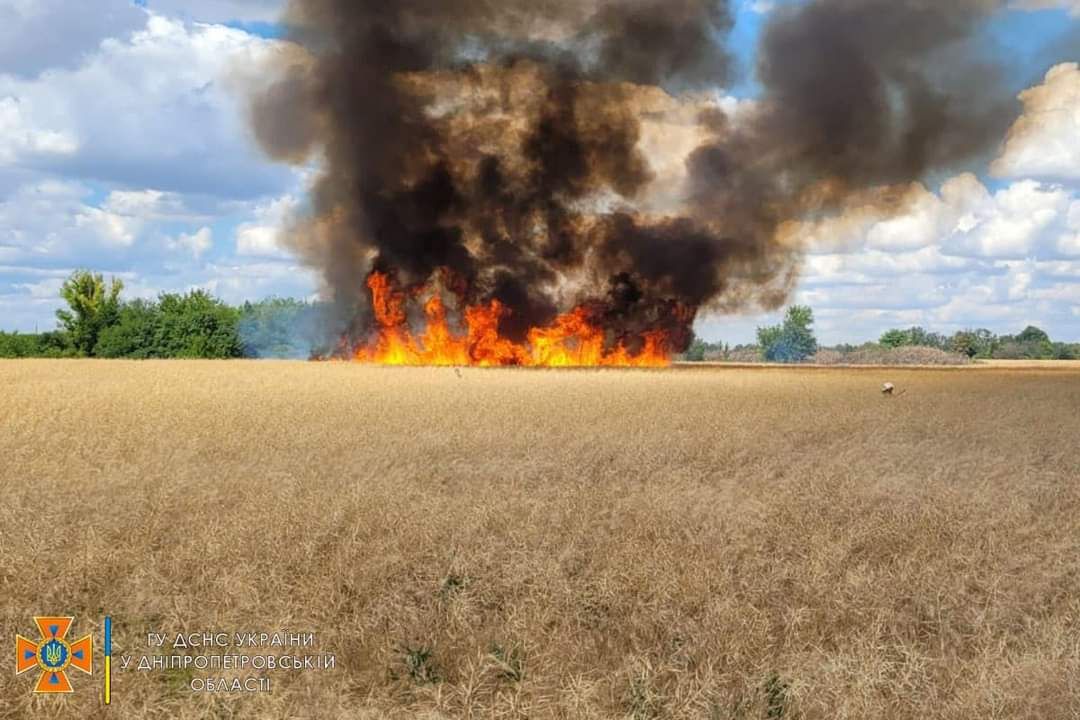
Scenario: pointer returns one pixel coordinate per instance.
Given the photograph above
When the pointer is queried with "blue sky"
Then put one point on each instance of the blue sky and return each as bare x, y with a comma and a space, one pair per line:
124, 148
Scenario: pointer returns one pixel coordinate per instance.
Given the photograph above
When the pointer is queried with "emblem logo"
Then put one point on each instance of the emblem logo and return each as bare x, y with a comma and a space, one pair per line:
53, 654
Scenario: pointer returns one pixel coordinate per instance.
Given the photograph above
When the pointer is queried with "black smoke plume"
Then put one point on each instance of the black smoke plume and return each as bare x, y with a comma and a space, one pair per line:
497, 144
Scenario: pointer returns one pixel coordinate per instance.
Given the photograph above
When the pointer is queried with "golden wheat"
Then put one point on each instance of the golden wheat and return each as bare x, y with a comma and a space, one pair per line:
705, 543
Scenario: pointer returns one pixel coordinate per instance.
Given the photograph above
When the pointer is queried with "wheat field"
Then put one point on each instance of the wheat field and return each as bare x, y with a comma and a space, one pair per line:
693, 543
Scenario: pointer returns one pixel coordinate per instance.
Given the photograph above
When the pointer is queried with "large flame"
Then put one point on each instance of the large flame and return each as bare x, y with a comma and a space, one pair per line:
570, 341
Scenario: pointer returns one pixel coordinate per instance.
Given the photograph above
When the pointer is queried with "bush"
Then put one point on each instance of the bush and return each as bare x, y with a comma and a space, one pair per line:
137, 334
792, 341
16, 345
701, 351
44, 345
979, 343
1064, 351
192, 325
1031, 344
914, 337
198, 325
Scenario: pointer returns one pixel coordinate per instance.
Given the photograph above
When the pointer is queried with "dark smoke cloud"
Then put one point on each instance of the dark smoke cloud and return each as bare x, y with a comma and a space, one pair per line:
496, 144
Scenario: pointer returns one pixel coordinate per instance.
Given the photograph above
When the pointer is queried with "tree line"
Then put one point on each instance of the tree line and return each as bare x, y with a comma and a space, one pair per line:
97, 322
793, 340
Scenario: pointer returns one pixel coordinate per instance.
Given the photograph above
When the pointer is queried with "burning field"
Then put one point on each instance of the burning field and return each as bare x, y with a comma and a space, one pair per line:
513, 543
565, 182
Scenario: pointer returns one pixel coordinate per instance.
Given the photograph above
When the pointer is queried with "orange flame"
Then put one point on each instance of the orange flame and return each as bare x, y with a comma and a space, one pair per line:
570, 341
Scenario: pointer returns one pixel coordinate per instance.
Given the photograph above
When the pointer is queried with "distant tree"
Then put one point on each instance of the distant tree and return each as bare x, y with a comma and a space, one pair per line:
696, 351
278, 328
1064, 351
916, 337
55, 344
974, 343
16, 345
44, 345
894, 339
964, 343
92, 307
138, 333
198, 325
791, 341
1032, 334
986, 341
1031, 343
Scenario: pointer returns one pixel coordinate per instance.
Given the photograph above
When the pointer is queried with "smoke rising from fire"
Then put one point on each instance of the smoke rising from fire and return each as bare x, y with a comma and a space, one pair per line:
492, 150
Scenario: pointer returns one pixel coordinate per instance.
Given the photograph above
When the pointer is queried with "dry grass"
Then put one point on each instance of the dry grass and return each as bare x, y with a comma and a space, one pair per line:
709, 543
1032, 364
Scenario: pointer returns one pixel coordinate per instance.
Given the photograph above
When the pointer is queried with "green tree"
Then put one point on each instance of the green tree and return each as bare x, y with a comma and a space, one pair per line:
198, 325
974, 343
1031, 344
1032, 334
791, 341
137, 333
696, 351
915, 336
894, 339
1063, 351
92, 307
44, 345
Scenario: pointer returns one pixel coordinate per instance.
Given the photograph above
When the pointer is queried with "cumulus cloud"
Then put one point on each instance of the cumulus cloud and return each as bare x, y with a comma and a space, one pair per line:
260, 237
156, 108
1019, 221
40, 34
1026, 218
196, 243
19, 138
49, 221
962, 256
131, 156
1045, 141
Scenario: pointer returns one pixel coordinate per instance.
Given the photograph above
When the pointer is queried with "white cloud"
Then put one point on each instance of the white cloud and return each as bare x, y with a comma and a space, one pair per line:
219, 11
36, 35
1019, 221
1073, 6
260, 237
131, 152
56, 221
1045, 141
48, 289
50, 221
241, 280
114, 229
964, 219
1069, 242
19, 138
960, 257
196, 243
157, 108
148, 204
